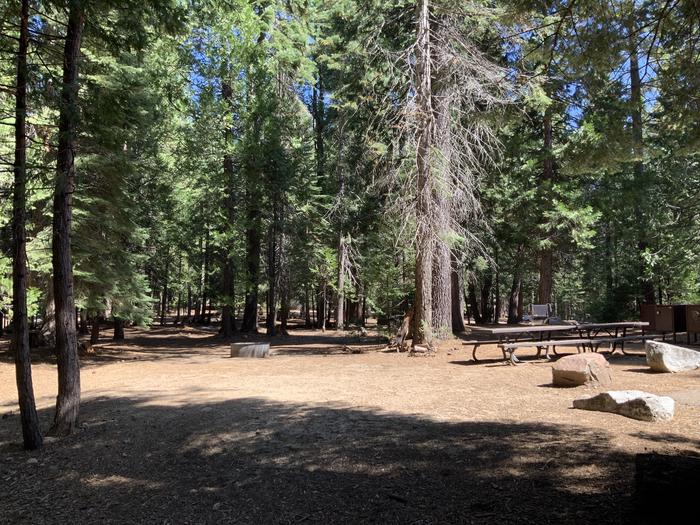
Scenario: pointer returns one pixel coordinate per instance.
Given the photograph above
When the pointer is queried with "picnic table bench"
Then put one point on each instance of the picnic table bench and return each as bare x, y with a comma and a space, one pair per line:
581, 345
510, 338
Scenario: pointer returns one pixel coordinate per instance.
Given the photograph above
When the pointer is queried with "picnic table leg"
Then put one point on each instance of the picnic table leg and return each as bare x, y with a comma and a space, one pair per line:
539, 348
613, 345
622, 345
513, 360
554, 348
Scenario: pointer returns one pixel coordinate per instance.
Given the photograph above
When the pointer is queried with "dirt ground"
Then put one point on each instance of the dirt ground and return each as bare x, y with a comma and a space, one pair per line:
174, 431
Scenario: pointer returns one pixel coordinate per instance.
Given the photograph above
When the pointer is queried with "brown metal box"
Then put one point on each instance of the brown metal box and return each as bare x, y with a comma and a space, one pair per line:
670, 318
664, 318
692, 316
648, 314
663, 321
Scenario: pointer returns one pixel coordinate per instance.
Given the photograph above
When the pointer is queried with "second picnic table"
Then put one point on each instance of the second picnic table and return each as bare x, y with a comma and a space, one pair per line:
588, 336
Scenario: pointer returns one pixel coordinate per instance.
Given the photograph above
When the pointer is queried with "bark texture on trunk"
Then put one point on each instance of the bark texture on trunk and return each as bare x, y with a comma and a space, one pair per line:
342, 271
646, 291
31, 432
253, 229
546, 268
164, 302
474, 304
252, 263
457, 302
95, 331
513, 298
83, 325
189, 303
204, 283
272, 267
307, 307
228, 320
546, 262
442, 291
321, 307
118, 329
285, 284
423, 308
486, 305
68, 400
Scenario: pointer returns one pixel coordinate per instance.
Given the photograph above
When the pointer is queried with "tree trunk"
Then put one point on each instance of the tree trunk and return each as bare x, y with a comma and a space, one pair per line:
457, 306
546, 266
497, 295
329, 310
321, 307
319, 114
284, 286
486, 306
164, 305
95, 333
118, 329
641, 183
68, 400
83, 321
513, 299
189, 302
342, 271
520, 303
252, 256
307, 307
31, 432
271, 317
179, 308
423, 308
343, 260
442, 291
474, 304
228, 314
205, 276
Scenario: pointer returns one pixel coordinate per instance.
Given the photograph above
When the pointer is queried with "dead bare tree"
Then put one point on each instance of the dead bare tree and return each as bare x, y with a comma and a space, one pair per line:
452, 89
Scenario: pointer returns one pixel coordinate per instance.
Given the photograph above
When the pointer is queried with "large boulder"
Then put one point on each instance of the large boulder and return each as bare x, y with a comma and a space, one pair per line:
250, 349
581, 369
663, 357
630, 403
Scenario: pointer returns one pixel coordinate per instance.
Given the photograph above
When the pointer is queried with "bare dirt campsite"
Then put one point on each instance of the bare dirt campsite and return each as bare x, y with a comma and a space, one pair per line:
349, 261
329, 429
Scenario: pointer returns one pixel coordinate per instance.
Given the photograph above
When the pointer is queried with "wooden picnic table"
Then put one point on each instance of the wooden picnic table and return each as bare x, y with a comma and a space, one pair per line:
543, 333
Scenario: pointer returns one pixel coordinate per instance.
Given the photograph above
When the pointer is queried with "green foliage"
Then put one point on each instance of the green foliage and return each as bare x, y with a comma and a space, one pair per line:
312, 123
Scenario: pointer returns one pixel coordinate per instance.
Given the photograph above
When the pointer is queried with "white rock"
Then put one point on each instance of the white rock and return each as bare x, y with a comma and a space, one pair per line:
663, 357
630, 403
250, 349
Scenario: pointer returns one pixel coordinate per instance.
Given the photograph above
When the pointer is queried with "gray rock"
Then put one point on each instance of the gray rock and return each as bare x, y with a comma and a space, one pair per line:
250, 349
663, 357
581, 369
630, 403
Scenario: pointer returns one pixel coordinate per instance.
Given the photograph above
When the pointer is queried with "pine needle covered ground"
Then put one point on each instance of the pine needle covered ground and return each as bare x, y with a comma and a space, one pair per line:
172, 430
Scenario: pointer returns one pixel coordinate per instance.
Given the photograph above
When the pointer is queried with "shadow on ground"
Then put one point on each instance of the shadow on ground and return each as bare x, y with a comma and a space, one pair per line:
254, 461
166, 342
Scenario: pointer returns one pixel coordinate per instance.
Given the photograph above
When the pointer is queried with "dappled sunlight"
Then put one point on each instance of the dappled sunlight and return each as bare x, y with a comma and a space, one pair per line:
117, 481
